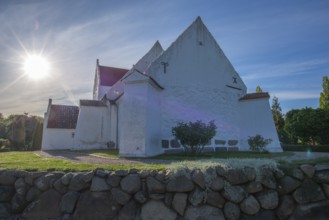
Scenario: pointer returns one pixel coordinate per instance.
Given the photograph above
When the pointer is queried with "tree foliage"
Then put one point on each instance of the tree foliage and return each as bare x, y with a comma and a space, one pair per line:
324, 95
258, 143
259, 89
278, 119
194, 135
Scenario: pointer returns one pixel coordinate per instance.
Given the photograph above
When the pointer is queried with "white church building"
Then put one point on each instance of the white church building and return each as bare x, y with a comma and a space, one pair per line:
135, 110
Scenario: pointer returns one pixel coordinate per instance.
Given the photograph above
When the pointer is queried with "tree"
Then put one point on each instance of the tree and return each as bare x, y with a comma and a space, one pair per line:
258, 143
259, 89
194, 135
278, 119
324, 96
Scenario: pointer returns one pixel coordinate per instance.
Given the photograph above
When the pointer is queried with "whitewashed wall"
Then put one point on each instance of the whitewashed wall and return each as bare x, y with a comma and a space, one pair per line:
56, 139
93, 128
256, 118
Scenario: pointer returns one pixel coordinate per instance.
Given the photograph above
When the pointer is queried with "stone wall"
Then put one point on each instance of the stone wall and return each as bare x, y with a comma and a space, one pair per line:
215, 193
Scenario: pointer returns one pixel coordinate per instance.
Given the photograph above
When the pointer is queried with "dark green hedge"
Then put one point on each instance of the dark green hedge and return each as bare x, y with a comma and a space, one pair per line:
317, 148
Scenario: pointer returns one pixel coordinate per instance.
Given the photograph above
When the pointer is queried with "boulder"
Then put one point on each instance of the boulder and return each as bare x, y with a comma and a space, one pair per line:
99, 184
286, 207
156, 210
21, 186
140, 197
308, 192
215, 199
322, 176
180, 184
128, 211
326, 189
156, 196
197, 197
321, 167
154, 185
6, 193
60, 187
4, 211
160, 176
66, 179
7, 177
144, 173
32, 194
96, 205
231, 211
250, 173
120, 196
131, 183
318, 211
121, 173
113, 180
236, 176
87, 176
289, 184
203, 213
18, 203
265, 214
45, 207
69, 201
31, 176
308, 170
234, 193
198, 178
250, 205
268, 199
267, 179
78, 182
254, 187
102, 173
217, 184
298, 174
168, 199
179, 203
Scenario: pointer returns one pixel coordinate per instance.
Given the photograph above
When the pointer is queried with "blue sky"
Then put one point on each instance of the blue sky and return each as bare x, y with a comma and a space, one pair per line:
283, 46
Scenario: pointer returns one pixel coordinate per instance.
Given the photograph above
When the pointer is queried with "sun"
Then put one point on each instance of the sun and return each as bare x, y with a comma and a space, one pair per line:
36, 67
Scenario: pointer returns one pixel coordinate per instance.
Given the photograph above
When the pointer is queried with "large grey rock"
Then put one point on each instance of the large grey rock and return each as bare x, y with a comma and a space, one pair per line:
236, 176
45, 182
250, 205
215, 199
264, 214
286, 207
32, 194
308, 192
250, 172
7, 177
154, 185
18, 203
4, 211
254, 187
131, 183
120, 196
99, 184
69, 201
168, 199
217, 184
157, 196
128, 211
289, 184
144, 173
113, 180
121, 173
31, 176
322, 176
60, 187
203, 213
102, 173
96, 205
20, 186
156, 210
6, 193
197, 197
179, 203
297, 173
326, 189
308, 170
318, 211
234, 193
266, 178
321, 167
268, 199
87, 176
198, 178
140, 197
78, 182
46, 207
66, 179
231, 211
180, 184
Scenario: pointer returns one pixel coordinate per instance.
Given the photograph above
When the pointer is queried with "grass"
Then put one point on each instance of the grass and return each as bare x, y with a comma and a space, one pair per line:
110, 153
32, 162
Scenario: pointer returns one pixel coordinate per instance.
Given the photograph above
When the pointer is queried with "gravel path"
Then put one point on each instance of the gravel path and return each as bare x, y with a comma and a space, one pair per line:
95, 159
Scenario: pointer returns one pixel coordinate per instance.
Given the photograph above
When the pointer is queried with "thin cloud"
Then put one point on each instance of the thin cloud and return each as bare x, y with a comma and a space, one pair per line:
296, 95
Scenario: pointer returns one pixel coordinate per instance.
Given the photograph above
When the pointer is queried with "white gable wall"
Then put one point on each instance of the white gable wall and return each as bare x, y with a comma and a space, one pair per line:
256, 118
57, 138
93, 128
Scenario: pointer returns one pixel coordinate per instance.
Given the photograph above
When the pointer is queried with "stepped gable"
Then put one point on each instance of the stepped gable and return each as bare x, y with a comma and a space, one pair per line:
63, 116
108, 76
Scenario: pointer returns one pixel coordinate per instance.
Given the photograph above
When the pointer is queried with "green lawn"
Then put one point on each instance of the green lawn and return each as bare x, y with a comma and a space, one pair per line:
103, 152
29, 161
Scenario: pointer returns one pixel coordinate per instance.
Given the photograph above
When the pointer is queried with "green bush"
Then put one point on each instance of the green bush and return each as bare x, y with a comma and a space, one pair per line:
194, 135
258, 143
305, 148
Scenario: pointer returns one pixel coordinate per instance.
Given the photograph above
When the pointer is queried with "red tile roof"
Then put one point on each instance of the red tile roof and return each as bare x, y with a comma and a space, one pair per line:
257, 95
110, 75
96, 103
63, 116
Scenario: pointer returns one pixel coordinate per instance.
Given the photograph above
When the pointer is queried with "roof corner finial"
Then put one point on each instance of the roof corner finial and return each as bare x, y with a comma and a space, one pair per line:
50, 101
97, 62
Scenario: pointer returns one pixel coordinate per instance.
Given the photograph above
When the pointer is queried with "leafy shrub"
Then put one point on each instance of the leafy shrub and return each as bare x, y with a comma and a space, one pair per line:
194, 135
305, 148
258, 143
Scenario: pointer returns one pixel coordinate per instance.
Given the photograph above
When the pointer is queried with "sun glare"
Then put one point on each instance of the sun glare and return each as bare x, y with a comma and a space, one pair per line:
36, 67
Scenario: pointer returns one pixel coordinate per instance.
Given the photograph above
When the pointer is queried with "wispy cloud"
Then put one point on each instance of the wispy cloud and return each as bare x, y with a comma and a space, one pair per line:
296, 95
